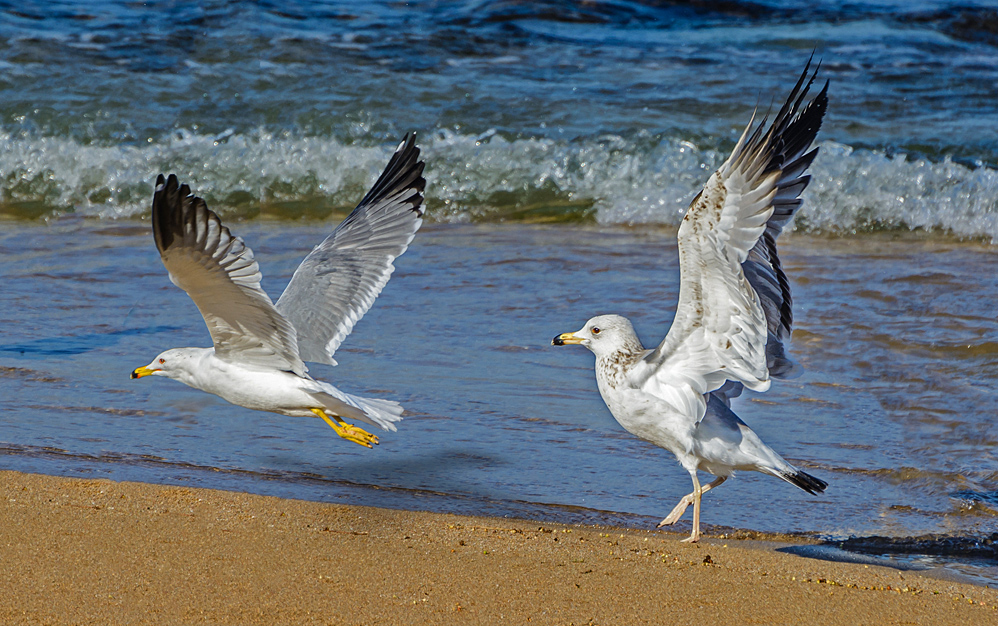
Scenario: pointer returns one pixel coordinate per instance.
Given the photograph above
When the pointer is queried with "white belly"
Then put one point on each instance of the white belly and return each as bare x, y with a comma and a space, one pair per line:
651, 419
279, 392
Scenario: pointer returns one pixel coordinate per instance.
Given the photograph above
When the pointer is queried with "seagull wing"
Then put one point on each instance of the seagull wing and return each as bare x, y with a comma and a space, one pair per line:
339, 280
734, 308
219, 273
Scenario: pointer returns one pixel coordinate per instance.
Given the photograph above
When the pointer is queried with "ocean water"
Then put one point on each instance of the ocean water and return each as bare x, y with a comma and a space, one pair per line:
563, 143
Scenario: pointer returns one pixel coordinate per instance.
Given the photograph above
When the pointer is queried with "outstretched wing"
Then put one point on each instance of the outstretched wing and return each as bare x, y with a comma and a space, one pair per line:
338, 282
219, 273
734, 308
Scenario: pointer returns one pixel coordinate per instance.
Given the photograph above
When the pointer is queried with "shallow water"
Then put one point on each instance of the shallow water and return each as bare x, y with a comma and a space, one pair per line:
894, 411
600, 120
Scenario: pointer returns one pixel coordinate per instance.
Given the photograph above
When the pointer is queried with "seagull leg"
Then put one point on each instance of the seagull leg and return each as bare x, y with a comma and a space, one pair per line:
697, 493
687, 500
348, 431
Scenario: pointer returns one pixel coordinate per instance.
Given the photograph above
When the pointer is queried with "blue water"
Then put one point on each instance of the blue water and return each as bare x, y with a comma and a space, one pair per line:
563, 143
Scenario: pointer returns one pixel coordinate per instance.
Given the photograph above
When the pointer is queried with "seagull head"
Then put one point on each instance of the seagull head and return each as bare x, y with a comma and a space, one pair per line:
178, 364
604, 335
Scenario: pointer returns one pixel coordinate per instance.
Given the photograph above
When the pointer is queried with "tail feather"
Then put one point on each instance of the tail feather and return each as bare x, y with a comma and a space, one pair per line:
383, 413
374, 411
804, 480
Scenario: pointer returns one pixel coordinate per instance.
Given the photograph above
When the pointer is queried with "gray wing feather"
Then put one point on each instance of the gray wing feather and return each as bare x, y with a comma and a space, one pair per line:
782, 149
339, 280
729, 390
762, 267
790, 156
220, 275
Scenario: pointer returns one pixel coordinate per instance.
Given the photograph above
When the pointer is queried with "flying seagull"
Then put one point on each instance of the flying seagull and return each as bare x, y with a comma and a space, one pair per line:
259, 347
733, 317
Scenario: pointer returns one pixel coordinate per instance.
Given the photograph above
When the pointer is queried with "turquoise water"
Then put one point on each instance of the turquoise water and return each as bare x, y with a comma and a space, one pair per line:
563, 145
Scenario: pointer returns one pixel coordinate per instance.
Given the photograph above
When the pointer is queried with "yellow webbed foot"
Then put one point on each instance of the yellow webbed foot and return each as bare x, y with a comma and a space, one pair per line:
356, 434
349, 431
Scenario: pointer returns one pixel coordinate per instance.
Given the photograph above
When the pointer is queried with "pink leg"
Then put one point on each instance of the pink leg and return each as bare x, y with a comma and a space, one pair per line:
687, 500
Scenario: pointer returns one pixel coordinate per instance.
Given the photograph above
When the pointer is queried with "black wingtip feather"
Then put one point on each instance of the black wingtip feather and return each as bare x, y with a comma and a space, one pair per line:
176, 213
404, 171
794, 128
166, 210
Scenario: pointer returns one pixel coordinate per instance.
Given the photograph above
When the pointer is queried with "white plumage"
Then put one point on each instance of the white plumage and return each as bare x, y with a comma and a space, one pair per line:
257, 360
733, 317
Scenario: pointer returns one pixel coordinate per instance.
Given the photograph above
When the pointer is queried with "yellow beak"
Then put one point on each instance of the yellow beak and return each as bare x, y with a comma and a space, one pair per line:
565, 339
142, 371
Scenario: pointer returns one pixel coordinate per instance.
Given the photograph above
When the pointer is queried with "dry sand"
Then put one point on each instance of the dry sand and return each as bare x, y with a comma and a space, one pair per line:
99, 552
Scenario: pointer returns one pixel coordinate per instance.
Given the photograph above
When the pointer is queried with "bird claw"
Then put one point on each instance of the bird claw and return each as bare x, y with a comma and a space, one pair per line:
692, 539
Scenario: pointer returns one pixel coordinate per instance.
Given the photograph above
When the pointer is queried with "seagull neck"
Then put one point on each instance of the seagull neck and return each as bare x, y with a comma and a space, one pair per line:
614, 364
623, 355
192, 369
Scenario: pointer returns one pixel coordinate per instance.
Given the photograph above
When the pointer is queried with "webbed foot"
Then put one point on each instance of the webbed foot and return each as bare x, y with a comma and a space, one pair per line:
349, 431
677, 512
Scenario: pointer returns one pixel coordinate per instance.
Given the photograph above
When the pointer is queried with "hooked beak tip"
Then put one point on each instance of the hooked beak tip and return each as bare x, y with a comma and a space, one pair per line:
565, 339
139, 372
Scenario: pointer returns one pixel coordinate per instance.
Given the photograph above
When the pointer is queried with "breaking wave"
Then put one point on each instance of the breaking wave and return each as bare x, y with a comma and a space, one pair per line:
609, 179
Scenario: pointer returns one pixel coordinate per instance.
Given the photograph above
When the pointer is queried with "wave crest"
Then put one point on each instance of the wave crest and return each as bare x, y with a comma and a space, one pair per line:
611, 179
859, 190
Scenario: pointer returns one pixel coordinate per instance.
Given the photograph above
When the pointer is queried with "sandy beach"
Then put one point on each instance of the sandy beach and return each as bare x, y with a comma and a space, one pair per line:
100, 552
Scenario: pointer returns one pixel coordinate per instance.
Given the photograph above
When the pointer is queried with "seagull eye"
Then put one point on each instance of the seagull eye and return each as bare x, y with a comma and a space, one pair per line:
595, 330
161, 361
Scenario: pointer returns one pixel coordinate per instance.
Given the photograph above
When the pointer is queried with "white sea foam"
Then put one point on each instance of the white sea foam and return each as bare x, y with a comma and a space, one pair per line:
634, 180
856, 190
116, 181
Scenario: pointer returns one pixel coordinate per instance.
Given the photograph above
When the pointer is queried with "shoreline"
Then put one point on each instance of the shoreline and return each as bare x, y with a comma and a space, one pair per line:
97, 551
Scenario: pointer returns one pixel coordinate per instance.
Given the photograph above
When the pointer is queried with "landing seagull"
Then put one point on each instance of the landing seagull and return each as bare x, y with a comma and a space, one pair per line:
259, 347
733, 317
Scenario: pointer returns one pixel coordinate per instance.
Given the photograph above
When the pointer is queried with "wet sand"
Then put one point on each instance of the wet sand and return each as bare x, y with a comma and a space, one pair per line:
78, 551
